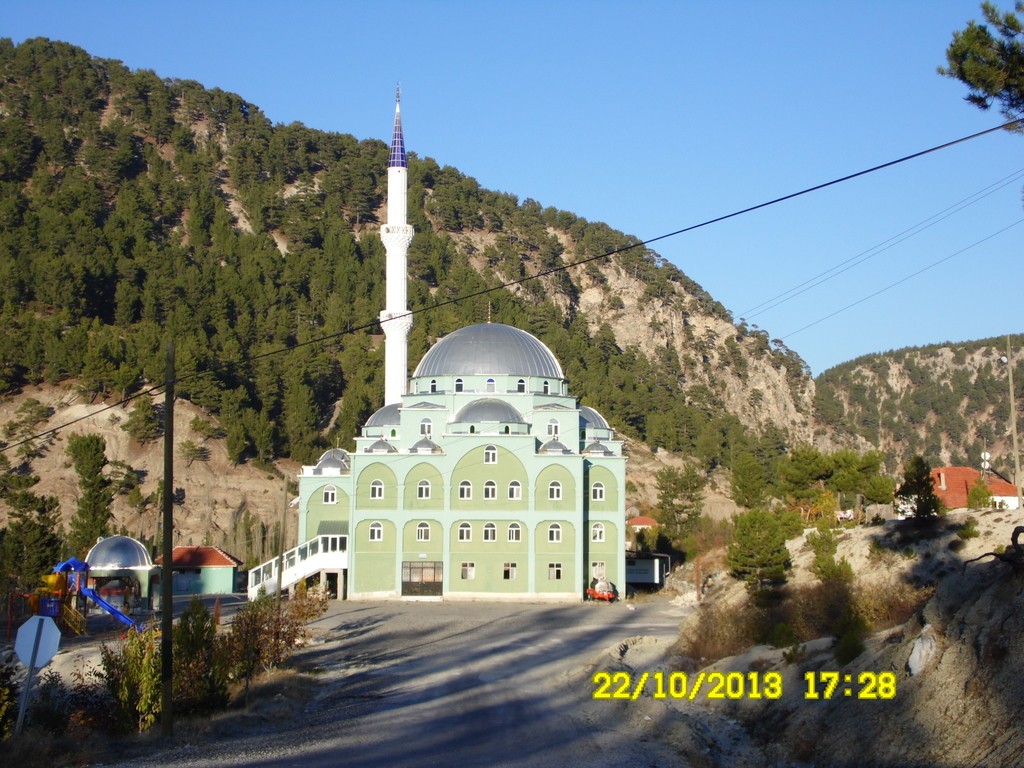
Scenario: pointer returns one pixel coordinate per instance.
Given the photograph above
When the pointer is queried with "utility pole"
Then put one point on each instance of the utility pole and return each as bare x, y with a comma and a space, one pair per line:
167, 573
1013, 426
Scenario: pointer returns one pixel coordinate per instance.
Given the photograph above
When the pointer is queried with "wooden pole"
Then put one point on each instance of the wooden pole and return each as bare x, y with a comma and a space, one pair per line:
1013, 425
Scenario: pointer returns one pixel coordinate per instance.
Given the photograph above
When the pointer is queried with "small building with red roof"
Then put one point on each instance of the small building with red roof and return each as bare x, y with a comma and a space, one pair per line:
203, 571
952, 484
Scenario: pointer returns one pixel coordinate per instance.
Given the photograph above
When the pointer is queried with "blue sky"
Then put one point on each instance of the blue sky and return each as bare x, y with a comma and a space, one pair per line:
653, 117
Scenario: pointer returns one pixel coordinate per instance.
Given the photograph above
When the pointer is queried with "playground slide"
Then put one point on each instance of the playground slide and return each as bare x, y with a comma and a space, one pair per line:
93, 595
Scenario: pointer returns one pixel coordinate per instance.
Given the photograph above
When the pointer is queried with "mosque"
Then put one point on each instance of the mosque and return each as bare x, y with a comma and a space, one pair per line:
480, 478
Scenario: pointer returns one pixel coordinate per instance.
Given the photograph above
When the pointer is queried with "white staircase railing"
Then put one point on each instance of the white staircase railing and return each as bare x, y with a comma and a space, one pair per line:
323, 553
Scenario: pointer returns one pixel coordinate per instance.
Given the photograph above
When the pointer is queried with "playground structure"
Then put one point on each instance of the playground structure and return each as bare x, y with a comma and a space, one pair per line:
117, 569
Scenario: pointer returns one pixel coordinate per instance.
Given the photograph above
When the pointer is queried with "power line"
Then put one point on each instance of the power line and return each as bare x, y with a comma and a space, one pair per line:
545, 273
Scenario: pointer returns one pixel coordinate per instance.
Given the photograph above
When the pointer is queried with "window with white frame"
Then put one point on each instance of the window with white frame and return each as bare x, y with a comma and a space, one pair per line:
423, 532
490, 532
555, 491
547, 388
509, 571
490, 490
330, 495
553, 428
490, 455
515, 491
515, 532
376, 532
433, 386
423, 489
597, 532
489, 387
468, 571
377, 489
425, 427
597, 492
465, 490
458, 385
521, 385
554, 533
554, 571
465, 532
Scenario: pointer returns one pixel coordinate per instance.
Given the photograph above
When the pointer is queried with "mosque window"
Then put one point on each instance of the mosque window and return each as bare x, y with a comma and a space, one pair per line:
597, 492
509, 571
490, 532
547, 388
490, 490
554, 571
597, 532
555, 491
458, 385
425, 427
377, 489
515, 491
330, 495
468, 571
490, 385
515, 533
555, 533
433, 386
553, 428
465, 532
423, 489
376, 532
490, 455
521, 385
423, 532
465, 490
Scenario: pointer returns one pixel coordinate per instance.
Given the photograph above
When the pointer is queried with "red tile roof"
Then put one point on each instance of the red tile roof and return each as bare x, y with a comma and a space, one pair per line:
953, 483
642, 521
201, 557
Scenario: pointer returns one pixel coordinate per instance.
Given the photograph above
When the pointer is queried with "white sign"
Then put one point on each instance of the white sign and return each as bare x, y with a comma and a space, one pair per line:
39, 633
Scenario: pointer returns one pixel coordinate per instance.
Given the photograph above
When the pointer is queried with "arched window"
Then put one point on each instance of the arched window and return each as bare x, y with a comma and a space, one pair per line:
597, 492
515, 532
465, 532
465, 490
490, 385
376, 532
423, 532
515, 491
555, 491
490, 532
423, 489
547, 388
458, 385
554, 533
394, 433
490, 455
433, 386
426, 427
597, 532
330, 495
553, 428
521, 385
377, 489
490, 490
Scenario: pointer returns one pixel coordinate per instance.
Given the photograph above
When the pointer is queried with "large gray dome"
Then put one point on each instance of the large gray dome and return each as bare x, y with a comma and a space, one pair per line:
489, 349
488, 410
118, 552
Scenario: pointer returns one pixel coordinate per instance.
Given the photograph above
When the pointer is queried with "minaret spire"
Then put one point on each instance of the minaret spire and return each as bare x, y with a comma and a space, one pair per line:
396, 235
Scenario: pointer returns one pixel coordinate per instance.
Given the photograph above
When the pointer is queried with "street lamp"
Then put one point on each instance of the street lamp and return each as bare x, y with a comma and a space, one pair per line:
1008, 359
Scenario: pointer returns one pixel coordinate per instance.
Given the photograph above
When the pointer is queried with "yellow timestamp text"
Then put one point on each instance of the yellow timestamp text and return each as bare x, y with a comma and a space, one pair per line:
863, 685
819, 685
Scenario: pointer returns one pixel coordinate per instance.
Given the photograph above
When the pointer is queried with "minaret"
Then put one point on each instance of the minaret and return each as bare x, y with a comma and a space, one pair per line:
396, 235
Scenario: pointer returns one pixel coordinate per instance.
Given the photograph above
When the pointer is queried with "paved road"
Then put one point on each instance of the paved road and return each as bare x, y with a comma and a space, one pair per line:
463, 684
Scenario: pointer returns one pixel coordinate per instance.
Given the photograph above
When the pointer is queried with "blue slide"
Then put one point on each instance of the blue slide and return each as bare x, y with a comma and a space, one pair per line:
93, 595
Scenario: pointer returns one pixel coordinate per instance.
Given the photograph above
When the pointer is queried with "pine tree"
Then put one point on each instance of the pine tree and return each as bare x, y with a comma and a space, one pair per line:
758, 551
918, 489
91, 520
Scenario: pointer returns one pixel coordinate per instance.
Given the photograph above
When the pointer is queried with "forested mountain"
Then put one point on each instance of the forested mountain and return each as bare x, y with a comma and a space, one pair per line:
948, 402
135, 209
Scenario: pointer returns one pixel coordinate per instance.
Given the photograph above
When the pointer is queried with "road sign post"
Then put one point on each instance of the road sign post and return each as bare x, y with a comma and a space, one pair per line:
36, 643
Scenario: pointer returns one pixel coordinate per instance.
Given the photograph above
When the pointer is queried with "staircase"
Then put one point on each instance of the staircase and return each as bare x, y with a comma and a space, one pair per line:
323, 553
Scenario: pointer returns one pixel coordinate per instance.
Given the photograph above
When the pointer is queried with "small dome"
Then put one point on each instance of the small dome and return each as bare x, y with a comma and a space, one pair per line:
380, 446
590, 419
489, 349
554, 446
116, 553
488, 410
426, 446
598, 448
333, 459
386, 416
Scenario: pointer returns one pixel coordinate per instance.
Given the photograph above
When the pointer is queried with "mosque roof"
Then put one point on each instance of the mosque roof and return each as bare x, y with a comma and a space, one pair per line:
488, 410
489, 349
386, 416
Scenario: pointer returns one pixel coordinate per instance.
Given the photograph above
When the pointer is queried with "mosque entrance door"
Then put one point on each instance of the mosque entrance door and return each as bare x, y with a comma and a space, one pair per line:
422, 578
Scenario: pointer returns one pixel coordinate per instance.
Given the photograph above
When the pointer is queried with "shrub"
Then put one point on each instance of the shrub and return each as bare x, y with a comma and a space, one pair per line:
200, 662
132, 675
721, 631
8, 700
969, 530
